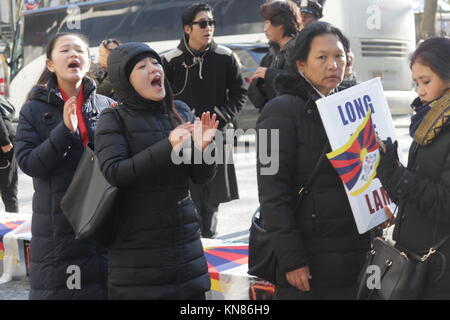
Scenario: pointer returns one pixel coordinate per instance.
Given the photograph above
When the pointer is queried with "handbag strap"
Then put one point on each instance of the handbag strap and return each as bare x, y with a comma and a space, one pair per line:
304, 190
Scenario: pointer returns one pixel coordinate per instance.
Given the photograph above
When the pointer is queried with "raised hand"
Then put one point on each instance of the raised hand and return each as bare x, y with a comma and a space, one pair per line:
70, 114
179, 135
204, 130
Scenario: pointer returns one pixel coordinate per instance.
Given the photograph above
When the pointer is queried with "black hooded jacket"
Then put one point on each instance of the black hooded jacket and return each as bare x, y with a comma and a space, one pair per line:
47, 151
157, 252
278, 62
207, 80
321, 233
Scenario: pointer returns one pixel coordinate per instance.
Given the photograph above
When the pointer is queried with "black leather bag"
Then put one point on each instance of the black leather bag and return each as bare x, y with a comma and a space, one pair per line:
262, 261
89, 202
398, 274
261, 257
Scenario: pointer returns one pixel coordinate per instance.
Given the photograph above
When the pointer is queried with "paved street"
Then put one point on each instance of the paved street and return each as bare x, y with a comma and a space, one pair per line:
234, 217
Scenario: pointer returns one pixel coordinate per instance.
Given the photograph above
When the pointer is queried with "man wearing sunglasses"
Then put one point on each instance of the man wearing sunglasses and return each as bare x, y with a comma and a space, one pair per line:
207, 77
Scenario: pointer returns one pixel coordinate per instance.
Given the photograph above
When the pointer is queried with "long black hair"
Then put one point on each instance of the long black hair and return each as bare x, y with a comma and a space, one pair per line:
47, 74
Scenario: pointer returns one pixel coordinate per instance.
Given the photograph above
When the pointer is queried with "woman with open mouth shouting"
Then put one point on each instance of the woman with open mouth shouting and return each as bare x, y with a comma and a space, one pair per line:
55, 124
157, 252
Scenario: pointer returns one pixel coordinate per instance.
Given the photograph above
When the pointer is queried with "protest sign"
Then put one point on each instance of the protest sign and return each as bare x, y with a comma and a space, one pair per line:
352, 118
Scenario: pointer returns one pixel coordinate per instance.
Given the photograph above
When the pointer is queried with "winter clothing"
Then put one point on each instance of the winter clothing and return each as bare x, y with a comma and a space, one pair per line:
206, 80
422, 192
420, 111
278, 62
8, 166
157, 252
321, 233
47, 151
209, 81
348, 82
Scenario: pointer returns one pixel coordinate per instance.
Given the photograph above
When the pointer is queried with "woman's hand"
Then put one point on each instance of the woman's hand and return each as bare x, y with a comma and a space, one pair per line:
260, 73
390, 221
180, 134
70, 114
7, 148
299, 278
204, 130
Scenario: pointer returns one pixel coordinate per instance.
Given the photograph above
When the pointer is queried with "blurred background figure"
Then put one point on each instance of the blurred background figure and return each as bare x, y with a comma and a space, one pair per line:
8, 162
311, 12
100, 70
282, 21
349, 75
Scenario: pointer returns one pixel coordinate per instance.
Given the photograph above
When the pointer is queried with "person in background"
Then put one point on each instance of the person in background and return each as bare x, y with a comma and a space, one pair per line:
318, 249
55, 125
100, 70
422, 189
311, 13
282, 21
8, 162
208, 78
157, 252
349, 75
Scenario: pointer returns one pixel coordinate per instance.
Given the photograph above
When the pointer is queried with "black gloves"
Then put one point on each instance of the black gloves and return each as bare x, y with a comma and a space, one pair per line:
389, 161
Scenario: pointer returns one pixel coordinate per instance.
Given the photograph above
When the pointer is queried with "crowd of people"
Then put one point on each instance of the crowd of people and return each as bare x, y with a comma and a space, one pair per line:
141, 107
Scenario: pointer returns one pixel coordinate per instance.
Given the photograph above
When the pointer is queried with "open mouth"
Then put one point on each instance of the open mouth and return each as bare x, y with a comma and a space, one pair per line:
74, 65
157, 82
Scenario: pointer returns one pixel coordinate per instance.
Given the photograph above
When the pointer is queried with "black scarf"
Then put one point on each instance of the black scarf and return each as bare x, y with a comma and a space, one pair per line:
421, 110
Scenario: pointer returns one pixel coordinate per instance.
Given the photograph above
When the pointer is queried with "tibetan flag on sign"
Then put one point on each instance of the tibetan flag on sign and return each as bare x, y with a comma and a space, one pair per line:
356, 161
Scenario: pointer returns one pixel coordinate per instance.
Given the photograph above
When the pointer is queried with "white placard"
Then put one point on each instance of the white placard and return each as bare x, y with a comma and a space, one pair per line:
343, 115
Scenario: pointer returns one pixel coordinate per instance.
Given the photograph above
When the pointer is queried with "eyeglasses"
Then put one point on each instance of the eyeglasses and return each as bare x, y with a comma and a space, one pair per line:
204, 23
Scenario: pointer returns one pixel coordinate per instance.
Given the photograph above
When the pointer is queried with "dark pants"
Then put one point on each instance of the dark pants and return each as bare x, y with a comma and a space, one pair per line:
207, 211
8, 185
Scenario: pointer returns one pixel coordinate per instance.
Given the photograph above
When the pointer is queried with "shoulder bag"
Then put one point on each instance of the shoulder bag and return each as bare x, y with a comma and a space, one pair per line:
89, 202
262, 261
395, 273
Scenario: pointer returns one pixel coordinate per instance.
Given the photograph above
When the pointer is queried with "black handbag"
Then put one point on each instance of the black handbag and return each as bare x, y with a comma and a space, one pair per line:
395, 273
89, 202
262, 261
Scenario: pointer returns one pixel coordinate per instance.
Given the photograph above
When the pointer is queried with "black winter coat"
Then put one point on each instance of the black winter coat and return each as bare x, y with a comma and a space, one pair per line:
48, 152
213, 79
207, 80
321, 233
422, 192
157, 252
278, 62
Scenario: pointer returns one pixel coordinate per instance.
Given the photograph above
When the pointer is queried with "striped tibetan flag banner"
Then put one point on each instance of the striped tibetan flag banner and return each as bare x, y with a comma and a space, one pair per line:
357, 160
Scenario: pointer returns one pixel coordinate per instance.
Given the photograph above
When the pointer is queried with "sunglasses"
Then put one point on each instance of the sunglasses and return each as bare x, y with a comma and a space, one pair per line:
204, 23
108, 41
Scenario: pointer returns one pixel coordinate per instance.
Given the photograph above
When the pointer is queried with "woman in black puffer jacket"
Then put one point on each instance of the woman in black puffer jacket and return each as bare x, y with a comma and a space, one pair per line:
157, 252
318, 249
48, 148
